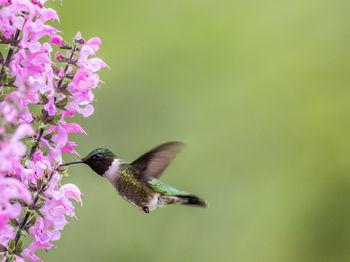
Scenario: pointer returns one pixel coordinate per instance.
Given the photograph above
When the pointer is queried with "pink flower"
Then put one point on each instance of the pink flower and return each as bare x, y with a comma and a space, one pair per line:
69, 148
5, 2
11, 151
49, 14
50, 106
72, 191
93, 64
11, 188
69, 128
22, 131
37, 168
85, 79
94, 43
29, 253
56, 40
9, 112
86, 111
4, 218
42, 233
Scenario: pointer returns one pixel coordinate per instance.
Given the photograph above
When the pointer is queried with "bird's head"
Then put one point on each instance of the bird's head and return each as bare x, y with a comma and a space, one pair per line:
99, 160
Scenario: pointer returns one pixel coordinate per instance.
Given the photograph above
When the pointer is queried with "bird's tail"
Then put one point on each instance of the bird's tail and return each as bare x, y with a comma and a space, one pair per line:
183, 199
192, 200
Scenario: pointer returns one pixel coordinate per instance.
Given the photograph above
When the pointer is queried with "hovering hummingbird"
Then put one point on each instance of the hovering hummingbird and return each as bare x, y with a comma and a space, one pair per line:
137, 181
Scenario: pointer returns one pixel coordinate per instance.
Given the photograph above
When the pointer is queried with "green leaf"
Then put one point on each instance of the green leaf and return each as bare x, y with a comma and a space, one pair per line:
44, 99
70, 75
19, 247
39, 183
61, 104
11, 245
10, 258
40, 205
13, 222
18, 253
4, 78
22, 202
64, 172
32, 187
64, 85
49, 136
55, 69
2, 248
65, 46
53, 120
31, 222
11, 81
39, 213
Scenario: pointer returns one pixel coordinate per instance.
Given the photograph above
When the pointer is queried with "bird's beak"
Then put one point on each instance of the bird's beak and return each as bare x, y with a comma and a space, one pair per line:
71, 163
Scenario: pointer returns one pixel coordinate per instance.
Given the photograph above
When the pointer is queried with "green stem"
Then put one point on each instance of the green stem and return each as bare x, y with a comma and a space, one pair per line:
32, 150
66, 68
25, 219
8, 59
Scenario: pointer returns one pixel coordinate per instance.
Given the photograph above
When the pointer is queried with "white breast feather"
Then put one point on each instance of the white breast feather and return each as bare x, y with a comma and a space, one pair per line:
112, 173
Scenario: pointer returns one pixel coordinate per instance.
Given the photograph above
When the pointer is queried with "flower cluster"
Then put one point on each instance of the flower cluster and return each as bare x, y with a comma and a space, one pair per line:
39, 90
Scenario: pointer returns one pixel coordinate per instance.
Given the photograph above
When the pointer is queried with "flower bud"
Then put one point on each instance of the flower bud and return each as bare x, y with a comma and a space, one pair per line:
56, 40
58, 56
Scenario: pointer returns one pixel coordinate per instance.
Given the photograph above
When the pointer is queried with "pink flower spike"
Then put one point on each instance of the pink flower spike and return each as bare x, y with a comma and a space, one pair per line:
56, 40
32, 142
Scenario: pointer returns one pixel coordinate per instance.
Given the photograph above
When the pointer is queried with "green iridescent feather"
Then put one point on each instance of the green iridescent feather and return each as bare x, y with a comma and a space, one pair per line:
164, 189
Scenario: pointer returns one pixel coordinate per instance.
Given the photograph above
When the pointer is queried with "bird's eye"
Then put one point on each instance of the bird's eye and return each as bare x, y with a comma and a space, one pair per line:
97, 156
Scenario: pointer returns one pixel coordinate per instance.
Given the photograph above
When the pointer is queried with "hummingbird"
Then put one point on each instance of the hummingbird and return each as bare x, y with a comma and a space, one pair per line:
137, 182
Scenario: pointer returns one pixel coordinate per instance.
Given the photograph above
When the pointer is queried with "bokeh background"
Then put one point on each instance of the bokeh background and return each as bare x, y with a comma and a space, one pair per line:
258, 90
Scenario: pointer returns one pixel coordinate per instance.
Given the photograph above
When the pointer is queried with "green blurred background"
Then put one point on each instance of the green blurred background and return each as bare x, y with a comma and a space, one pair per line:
258, 90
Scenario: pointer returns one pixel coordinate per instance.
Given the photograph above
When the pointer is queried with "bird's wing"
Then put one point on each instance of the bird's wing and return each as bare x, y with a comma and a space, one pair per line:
154, 162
